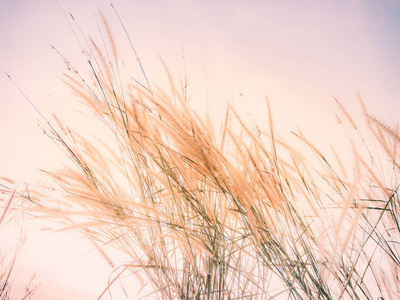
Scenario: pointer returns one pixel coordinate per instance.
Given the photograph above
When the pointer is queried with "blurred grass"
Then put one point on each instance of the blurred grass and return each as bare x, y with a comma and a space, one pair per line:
7, 262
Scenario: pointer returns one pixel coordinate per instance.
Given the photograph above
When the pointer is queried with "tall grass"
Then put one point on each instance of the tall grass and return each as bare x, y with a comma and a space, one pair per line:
7, 263
228, 213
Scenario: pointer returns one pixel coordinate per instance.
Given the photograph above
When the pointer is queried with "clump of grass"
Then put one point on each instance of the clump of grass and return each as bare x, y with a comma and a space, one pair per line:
223, 214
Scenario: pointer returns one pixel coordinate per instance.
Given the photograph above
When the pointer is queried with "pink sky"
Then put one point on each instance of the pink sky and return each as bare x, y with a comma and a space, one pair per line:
299, 53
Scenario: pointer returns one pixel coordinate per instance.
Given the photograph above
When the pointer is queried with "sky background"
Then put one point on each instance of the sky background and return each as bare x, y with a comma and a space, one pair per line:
298, 53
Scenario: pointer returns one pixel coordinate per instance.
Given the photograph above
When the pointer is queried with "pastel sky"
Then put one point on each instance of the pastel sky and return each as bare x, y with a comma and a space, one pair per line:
298, 53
